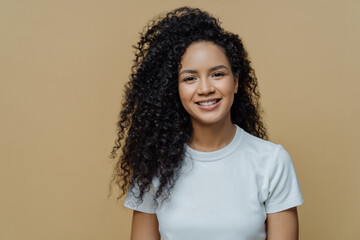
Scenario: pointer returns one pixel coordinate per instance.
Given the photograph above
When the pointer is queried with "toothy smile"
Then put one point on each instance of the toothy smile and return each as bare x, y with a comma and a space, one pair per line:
207, 103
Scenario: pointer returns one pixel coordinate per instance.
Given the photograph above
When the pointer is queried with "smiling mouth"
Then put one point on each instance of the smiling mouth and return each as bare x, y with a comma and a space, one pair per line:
207, 103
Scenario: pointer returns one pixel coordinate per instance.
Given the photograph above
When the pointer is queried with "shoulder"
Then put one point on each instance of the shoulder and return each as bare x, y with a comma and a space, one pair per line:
263, 154
257, 145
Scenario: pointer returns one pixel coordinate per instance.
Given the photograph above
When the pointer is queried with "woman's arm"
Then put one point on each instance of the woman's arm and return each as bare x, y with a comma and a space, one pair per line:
145, 226
283, 225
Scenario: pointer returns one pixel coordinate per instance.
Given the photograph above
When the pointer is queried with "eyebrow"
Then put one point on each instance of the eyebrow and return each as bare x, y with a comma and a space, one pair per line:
211, 69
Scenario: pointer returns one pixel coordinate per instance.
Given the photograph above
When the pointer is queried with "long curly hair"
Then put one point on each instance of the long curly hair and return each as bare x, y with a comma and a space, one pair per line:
153, 126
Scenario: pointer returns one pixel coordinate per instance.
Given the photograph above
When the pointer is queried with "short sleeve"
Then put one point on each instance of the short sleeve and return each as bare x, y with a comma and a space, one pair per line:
148, 205
283, 188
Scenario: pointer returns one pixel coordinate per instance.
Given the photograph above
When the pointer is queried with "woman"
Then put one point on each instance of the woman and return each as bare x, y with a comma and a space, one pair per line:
195, 162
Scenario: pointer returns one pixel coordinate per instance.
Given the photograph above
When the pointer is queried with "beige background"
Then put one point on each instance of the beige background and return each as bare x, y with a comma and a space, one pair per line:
63, 65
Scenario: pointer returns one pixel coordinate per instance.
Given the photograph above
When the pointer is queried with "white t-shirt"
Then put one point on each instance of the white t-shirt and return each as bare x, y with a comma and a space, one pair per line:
227, 193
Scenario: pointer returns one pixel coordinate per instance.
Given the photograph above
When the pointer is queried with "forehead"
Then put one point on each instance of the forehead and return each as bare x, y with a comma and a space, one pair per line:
203, 54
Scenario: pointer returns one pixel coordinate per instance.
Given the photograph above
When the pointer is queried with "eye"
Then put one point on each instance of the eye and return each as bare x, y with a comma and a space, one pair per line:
188, 79
218, 74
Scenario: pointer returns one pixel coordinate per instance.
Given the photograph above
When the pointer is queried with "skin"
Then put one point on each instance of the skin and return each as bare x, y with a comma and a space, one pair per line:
283, 225
205, 73
145, 226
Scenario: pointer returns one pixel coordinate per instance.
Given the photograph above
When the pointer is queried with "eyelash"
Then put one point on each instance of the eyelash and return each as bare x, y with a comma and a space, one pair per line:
192, 78
188, 79
219, 74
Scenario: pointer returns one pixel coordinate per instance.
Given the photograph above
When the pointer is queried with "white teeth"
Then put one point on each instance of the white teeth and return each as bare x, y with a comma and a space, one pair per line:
207, 103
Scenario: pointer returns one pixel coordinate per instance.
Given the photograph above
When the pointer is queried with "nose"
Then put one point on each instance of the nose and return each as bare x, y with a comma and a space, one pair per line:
205, 86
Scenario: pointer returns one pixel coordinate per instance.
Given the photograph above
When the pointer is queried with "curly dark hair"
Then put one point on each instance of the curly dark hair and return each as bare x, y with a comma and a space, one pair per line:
153, 126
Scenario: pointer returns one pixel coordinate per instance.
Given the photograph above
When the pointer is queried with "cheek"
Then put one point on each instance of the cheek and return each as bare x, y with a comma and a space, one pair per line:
185, 95
227, 88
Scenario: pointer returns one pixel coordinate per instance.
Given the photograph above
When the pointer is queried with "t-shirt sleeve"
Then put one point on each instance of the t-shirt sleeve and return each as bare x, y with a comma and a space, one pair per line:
283, 188
148, 205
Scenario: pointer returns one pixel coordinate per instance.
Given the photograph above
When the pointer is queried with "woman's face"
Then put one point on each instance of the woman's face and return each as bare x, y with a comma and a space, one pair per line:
206, 83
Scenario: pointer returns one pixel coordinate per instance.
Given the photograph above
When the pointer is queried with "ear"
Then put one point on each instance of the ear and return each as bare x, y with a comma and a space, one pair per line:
236, 79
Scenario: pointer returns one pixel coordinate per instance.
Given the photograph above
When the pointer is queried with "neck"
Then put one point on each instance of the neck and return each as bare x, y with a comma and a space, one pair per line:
211, 137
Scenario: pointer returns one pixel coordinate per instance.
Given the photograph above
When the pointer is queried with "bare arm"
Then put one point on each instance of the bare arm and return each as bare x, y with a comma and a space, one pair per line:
145, 226
283, 225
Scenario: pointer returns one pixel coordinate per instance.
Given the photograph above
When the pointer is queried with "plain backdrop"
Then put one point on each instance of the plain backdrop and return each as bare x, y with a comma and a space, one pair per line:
63, 65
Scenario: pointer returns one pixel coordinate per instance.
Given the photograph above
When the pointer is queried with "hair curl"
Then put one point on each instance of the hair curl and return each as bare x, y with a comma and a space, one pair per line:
153, 126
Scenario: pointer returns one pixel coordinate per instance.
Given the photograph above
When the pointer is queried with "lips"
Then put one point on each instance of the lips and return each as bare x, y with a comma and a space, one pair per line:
208, 102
